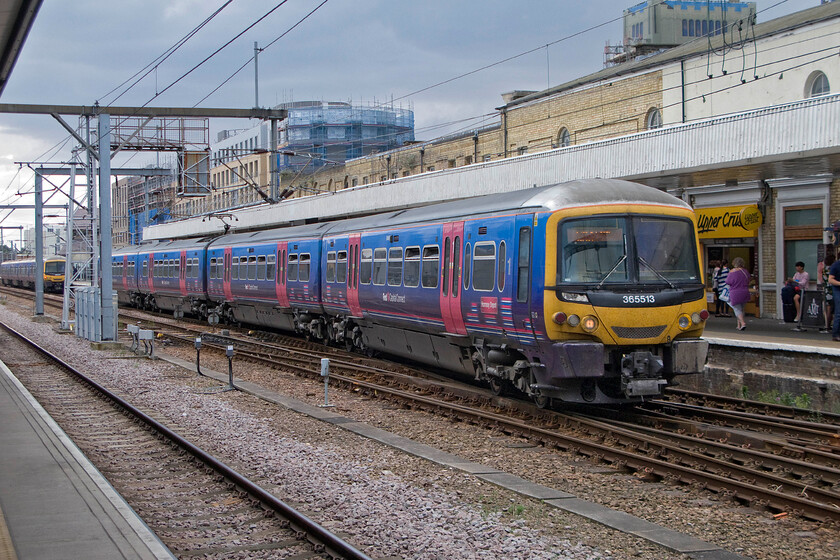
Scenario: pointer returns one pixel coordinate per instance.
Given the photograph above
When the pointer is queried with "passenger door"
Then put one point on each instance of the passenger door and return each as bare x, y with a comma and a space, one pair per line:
226, 274
522, 276
450, 285
353, 275
280, 282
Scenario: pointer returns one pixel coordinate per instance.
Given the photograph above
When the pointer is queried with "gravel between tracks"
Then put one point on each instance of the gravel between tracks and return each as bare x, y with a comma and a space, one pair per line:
391, 504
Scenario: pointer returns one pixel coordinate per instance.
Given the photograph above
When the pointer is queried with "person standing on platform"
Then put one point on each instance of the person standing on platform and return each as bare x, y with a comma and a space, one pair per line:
801, 279
719, 276
828, 306
738, 281
834, 281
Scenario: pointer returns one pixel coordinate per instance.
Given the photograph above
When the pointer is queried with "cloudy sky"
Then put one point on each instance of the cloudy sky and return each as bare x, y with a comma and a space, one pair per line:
448, 61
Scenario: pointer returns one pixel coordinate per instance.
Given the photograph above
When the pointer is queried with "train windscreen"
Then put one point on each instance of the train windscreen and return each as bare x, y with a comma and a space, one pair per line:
54, 268
627, 249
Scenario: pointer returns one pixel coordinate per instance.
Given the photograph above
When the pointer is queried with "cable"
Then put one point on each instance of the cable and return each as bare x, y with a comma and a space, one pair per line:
154, 64
247, 62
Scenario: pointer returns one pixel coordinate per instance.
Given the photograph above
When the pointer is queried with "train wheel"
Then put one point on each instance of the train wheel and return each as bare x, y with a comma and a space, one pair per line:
497, 386
542, 401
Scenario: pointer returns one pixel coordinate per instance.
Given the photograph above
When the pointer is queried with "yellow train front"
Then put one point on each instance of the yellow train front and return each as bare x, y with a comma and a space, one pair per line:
624, 301
21, 274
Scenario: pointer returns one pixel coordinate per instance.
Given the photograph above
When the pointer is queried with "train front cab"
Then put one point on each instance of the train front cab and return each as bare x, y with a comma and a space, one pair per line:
623, 306
54, 274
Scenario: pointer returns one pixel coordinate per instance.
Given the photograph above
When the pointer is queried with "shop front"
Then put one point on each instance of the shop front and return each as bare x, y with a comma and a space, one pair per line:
726, 233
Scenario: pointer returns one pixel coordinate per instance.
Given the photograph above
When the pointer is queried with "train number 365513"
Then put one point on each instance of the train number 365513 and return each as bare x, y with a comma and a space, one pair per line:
649, 298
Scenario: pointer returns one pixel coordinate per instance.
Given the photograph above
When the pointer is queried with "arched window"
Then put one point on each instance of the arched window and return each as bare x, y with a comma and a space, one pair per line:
653, 119
564, 138
817, 84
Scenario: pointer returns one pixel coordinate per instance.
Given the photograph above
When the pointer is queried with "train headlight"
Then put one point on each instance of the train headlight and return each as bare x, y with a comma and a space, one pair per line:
684, 322
573, 320
559, 317
577, 298
589, 323
698, 318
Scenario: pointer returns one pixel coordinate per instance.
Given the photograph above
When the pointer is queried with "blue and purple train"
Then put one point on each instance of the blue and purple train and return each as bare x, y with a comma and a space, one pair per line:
589, 291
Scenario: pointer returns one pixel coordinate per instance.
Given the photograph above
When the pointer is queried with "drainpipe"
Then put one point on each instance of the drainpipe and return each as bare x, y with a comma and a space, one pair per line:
682, 87
505, 129
475, 147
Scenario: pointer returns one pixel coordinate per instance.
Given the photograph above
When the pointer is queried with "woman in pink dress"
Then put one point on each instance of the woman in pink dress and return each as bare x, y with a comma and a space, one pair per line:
738, 281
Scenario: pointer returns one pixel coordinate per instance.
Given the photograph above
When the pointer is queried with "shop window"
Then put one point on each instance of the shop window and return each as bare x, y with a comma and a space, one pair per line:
803, 231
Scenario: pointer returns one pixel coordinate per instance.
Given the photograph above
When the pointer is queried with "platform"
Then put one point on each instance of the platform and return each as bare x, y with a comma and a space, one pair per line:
769, 334
54, 504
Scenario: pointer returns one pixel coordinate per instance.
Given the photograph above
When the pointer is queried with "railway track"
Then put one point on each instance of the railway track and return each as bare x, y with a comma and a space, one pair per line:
785, 462
197, 505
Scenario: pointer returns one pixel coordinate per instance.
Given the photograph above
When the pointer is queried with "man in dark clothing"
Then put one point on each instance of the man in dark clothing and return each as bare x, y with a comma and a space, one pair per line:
834, 281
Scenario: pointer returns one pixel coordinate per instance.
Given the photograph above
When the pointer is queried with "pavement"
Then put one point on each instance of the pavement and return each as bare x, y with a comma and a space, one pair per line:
770, 334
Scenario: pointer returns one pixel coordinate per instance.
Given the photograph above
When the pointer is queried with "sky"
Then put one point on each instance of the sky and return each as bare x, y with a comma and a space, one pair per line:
448, 61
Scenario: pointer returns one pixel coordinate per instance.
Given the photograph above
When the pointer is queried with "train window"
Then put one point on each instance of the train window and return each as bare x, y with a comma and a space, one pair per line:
412, 267
447, 247
252, 268
484, 266
292, 269
593, 250
271, 267
261, 267
145, 269
502, 265
523, 269
366, 268
395, 258
379, 258
330, 272
303, 270
213, 268
234, 269
456, 266
341, 268
467, 265
431, 266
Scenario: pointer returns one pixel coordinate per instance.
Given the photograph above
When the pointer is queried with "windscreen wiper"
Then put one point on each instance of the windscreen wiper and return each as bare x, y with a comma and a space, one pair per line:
647, 264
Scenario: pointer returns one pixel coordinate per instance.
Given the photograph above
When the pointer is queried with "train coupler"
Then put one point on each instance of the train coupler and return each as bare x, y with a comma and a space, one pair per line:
640, 374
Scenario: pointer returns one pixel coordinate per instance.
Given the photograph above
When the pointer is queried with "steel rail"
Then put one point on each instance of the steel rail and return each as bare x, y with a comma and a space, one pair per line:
756, 407
824, 434
316, 534
668, 461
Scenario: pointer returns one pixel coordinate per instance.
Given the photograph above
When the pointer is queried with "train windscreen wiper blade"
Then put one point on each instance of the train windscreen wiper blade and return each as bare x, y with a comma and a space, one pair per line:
647, 264
613, 269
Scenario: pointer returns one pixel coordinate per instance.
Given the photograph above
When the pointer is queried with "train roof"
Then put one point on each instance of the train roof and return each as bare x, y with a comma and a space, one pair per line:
583, 192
